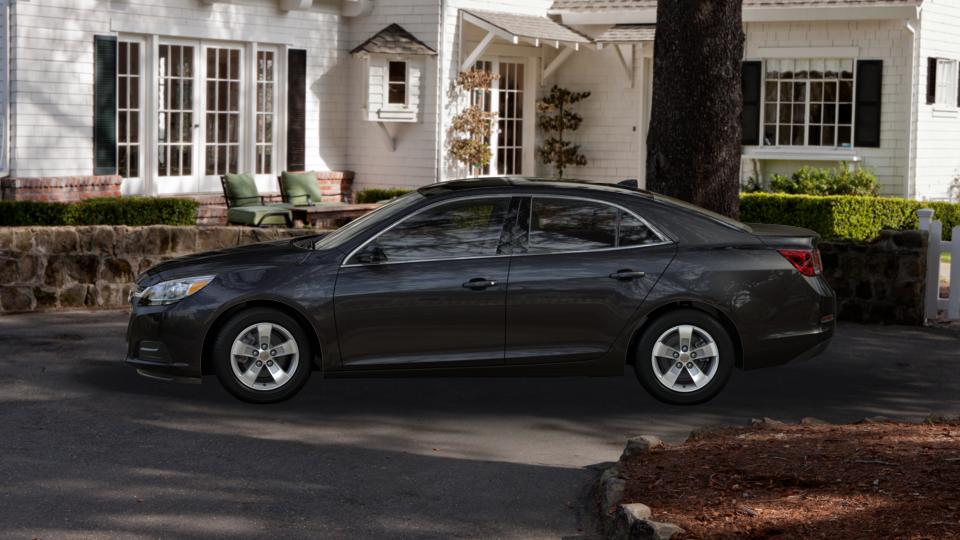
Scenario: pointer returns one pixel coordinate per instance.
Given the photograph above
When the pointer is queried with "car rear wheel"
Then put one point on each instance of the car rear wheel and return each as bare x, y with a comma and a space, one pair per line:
684, 357
262, 355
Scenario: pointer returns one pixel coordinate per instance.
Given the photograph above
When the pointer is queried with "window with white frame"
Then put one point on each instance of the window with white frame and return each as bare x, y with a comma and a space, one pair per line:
808, 102
128, 109
946, 92
266, 96
397, 83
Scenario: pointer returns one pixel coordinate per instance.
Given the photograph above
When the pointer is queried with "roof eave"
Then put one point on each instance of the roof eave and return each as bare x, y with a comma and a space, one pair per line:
750, 14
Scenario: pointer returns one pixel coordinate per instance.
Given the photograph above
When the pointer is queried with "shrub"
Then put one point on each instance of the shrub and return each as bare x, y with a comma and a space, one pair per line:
376, 194
813, 181
105, 211
851, 217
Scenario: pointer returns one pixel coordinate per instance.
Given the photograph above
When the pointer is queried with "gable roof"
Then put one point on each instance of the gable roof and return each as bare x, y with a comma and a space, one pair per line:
393, 39
627, 33
529, 26
605, 5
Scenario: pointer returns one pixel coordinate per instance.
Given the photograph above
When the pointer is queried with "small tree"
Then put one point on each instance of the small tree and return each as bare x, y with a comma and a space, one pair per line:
555, 119
469, 133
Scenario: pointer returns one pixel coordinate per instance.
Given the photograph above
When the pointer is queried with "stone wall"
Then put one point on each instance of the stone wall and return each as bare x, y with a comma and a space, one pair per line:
881, 281
45, 268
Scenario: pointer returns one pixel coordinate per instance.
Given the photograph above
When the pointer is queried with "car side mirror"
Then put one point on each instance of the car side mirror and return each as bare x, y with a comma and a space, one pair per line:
373, 256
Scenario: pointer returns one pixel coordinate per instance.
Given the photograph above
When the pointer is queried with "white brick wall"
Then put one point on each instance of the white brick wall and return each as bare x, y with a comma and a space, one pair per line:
938, 128
52, 83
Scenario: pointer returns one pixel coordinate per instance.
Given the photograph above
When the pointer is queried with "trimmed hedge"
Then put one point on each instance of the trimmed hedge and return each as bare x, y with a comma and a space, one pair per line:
843, 216
374, 195
101, 211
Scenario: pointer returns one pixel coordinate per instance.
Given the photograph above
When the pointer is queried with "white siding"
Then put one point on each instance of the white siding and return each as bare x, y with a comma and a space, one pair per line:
414, 162
52, 82
938, 128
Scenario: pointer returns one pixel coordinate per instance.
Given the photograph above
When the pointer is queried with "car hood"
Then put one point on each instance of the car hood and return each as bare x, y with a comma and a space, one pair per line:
225, 260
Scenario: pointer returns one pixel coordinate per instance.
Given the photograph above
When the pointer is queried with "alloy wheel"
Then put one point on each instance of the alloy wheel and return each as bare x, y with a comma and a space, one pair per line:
685, 358
264, 356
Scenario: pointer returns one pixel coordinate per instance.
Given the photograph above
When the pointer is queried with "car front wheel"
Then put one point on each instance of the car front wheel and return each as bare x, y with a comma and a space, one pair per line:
684, 357
262, 355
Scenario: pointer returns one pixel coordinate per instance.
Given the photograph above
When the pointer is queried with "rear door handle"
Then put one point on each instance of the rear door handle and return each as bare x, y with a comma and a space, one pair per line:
479, 284
627, 275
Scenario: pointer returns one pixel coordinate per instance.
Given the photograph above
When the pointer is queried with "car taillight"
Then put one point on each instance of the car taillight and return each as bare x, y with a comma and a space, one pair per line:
806, 261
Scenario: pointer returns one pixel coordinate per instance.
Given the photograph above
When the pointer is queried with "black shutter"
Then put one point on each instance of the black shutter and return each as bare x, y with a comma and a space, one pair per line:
931, 81
752, 78
104, 105
866, 129
296, 109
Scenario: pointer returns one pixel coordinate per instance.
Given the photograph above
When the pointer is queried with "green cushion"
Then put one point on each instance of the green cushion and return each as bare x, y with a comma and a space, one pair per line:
298, 186
259, 215
241, 190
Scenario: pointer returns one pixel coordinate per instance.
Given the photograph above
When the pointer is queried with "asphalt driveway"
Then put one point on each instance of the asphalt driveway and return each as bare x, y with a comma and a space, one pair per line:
90, 449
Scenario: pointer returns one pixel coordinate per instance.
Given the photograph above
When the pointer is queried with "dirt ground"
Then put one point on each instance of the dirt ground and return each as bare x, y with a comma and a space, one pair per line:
869, 480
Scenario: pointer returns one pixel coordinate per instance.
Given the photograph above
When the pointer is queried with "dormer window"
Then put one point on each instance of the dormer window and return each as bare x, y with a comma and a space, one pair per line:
397, 91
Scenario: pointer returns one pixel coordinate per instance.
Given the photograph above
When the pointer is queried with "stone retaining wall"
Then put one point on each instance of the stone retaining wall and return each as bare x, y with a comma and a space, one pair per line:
45, 268
879, 282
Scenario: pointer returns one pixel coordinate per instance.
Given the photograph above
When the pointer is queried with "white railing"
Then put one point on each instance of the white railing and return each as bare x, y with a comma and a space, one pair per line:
933, 302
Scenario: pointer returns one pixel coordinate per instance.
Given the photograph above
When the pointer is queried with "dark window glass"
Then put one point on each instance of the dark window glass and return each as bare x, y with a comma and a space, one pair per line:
634, 232
571, 225
397, 93
468, 228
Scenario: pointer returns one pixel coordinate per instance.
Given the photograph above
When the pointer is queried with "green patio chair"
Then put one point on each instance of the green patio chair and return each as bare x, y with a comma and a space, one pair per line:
245, 205
300, 189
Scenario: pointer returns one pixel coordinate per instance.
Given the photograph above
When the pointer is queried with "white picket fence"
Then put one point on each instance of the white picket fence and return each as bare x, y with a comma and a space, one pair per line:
933, 302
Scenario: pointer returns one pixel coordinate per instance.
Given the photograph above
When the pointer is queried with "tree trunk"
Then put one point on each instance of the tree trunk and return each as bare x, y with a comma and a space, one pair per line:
693, 146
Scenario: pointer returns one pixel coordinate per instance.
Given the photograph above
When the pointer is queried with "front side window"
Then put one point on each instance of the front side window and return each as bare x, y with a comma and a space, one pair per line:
466, 228
808, 102
563, 225
397, 91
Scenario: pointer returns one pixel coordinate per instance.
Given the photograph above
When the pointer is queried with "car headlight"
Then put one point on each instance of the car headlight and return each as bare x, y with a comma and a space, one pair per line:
168, 292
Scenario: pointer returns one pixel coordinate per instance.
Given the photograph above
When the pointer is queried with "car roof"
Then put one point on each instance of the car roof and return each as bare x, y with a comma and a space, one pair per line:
525, 182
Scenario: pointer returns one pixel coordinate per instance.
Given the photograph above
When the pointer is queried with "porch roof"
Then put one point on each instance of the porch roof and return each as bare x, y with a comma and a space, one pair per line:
627, 33
513, 27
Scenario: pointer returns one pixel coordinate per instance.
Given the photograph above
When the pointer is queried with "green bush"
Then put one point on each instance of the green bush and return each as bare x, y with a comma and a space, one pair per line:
374, 195
843, 216
813, 181
105, 211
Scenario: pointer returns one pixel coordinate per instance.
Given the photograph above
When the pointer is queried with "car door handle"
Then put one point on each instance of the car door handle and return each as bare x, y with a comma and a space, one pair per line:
627, 275
479, 284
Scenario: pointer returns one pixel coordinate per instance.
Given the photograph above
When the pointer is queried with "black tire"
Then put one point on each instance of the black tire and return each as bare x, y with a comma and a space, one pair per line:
643, 364
234, 328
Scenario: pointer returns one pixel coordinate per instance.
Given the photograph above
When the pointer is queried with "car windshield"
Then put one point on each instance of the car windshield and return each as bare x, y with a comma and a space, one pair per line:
703, 211
384, 213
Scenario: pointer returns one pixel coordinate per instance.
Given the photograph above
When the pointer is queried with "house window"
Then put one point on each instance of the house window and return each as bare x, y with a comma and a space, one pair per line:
808, 102
946, 92
128, 109
175, 105
397, 84
266, 85
223, 110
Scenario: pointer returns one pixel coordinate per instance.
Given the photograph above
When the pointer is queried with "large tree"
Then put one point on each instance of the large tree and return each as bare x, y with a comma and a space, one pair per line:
693, 146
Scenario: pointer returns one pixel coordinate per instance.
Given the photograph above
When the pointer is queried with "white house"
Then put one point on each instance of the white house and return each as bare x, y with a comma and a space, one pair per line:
141, 97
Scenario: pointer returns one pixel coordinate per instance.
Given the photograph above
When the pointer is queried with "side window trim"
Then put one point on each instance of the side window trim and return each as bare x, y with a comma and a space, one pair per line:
662, 238
510, 198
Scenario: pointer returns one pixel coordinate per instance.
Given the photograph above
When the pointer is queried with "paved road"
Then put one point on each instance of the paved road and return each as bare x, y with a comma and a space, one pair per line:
90, 449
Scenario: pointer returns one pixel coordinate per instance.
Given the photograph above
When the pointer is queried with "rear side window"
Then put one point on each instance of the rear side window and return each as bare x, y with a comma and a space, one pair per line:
561, 225
465, 228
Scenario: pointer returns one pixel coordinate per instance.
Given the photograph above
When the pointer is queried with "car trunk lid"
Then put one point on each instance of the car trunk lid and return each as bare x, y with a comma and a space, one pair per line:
784, 236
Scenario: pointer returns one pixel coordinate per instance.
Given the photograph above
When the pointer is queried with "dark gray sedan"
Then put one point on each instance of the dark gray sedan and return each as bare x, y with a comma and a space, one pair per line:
495, 276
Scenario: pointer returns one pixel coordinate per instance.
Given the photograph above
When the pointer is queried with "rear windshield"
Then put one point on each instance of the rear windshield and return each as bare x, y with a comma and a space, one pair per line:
729, 222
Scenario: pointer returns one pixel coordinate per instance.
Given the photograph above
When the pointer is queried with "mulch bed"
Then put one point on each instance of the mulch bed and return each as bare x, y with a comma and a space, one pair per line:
869, 480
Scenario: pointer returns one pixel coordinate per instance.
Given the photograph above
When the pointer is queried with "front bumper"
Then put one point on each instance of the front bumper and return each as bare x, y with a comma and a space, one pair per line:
167, 341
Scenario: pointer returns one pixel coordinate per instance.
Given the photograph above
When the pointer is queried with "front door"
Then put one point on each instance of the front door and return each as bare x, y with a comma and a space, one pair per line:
222, 121
510, 140
585, 268
178, 125
430, 291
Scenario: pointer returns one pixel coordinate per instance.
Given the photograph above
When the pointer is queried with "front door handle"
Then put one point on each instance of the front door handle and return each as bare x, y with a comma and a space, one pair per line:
627, 275
479, 284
